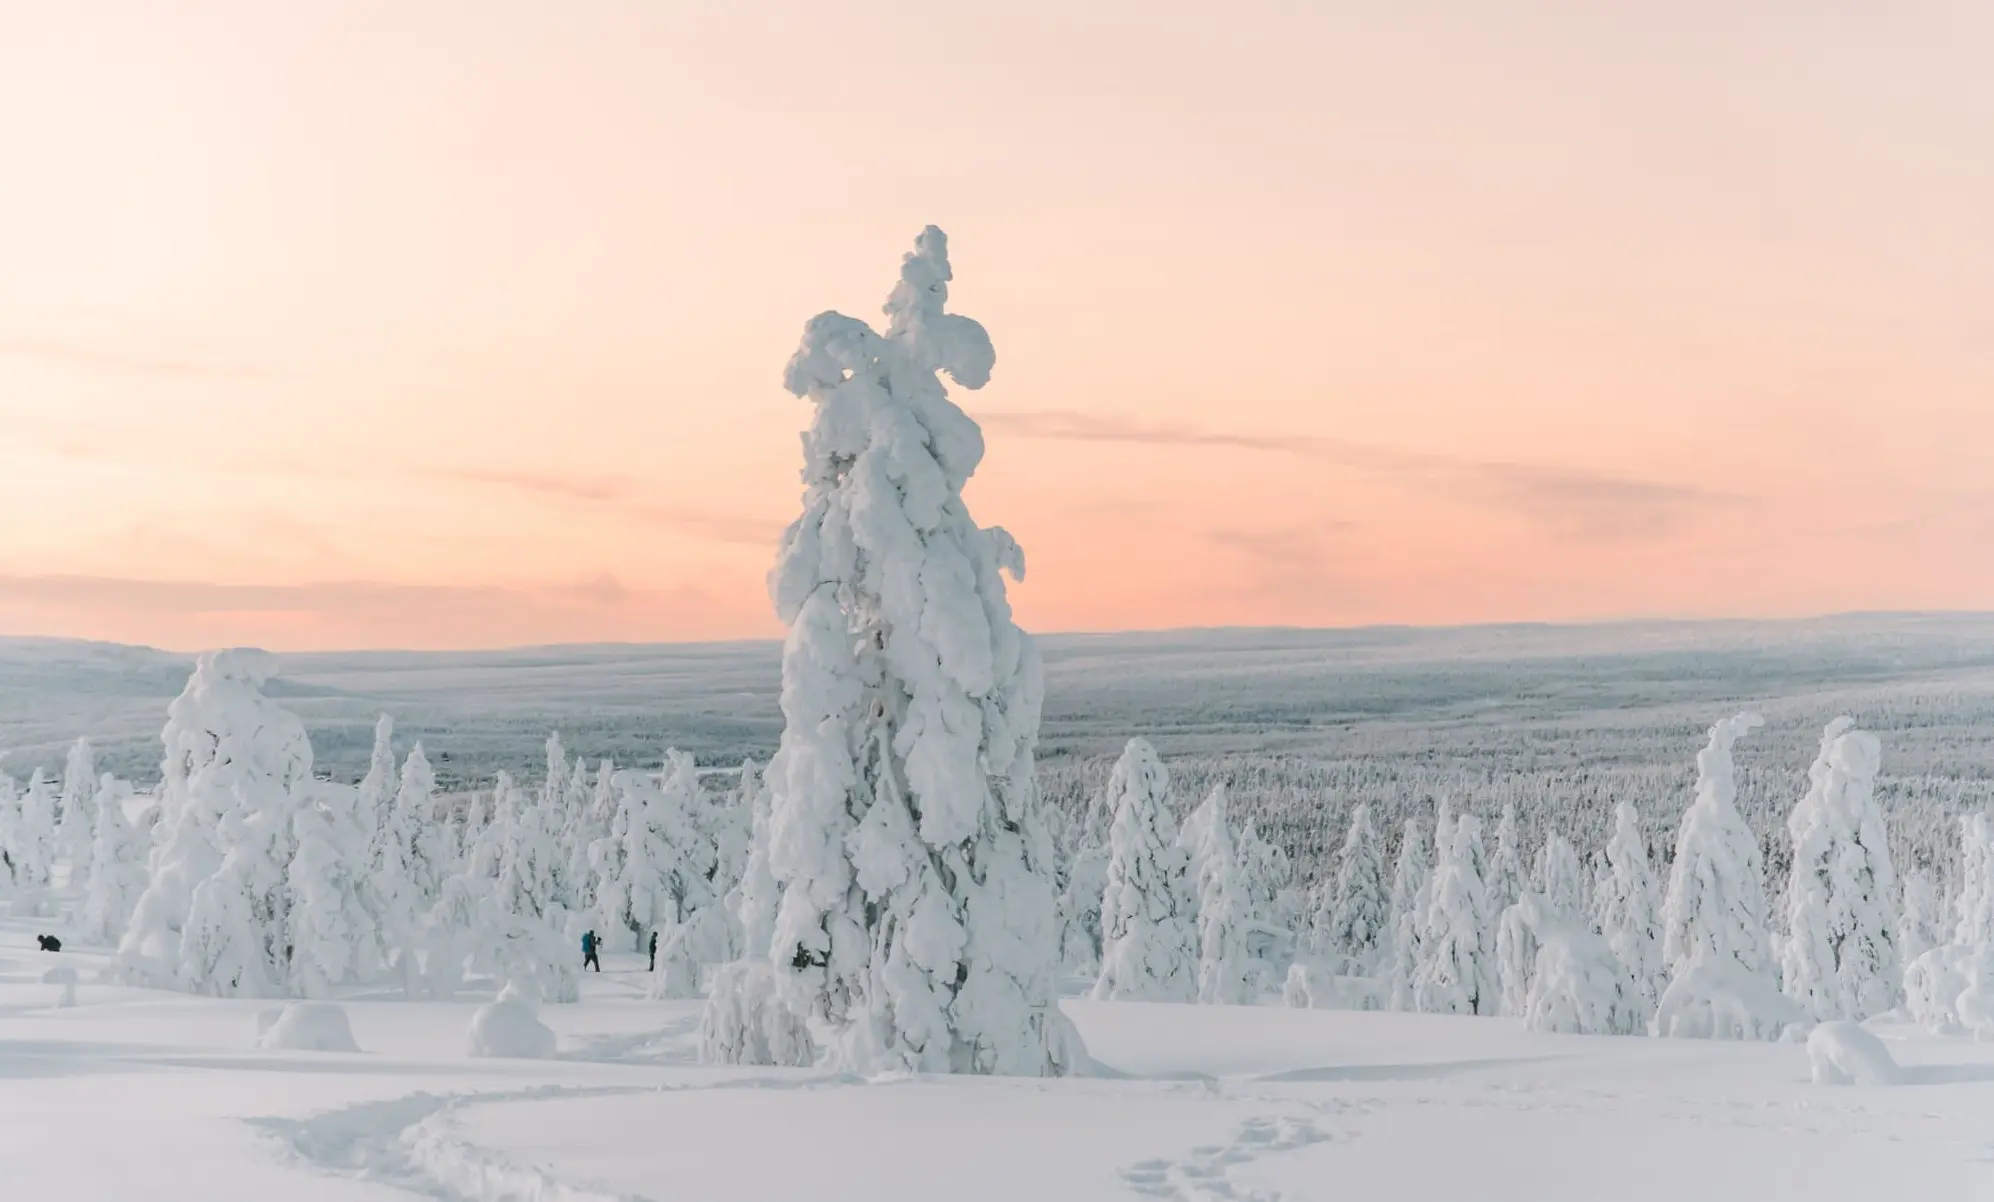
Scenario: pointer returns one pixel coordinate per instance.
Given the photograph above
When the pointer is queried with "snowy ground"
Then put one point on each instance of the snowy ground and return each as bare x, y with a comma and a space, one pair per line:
131, 1095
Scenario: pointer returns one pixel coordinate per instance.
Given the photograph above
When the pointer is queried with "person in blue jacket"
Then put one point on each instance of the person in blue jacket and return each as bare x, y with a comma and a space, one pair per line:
589, 959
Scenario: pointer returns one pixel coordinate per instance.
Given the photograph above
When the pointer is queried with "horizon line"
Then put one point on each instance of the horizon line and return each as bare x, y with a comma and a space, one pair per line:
1573, 624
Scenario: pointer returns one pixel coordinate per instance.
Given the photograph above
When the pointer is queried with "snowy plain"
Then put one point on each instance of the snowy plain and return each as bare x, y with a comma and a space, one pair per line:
1255, 1102
133, 1094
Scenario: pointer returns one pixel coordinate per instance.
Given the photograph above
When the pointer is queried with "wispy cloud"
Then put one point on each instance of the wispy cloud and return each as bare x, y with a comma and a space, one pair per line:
1572, 503
116, 359
626, 496
348, 598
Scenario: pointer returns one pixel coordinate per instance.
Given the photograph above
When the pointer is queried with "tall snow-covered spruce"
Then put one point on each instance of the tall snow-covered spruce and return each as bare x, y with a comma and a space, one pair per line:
918, 927
1723, 980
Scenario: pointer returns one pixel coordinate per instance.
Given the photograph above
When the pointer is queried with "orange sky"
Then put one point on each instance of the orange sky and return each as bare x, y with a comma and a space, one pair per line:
462, 324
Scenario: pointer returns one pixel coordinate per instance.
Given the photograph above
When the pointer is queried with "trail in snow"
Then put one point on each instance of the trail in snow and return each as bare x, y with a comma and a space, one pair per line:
1207, 1171
413, 1143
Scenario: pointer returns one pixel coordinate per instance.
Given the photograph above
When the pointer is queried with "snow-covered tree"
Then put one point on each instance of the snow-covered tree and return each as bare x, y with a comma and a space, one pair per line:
1840, 955
1975, 925
117, 866
1148, 920
1558, 878
409, 859
1507, 880
919, 917
234, 760
10, 832
238, 937
1456, 972
34, 843
746, 1023
1273, 908
667, 859
758, 895
1350, 921
1723, 981
1626, 911
373, 806
1225, 976
1924, 925
1407, 918
76, 829
335, 939
538, 948
1579, 985
1080, 907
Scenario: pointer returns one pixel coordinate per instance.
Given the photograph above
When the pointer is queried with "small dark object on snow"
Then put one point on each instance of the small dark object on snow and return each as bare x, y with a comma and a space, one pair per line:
49, 943
654, 951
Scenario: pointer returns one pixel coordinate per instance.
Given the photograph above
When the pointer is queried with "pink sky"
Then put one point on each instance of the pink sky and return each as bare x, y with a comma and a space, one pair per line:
462, 324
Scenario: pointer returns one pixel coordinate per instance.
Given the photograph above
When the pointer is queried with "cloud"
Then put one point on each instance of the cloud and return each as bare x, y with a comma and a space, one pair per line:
1571, 503
625, 496
73, 354
363, 613
345, 597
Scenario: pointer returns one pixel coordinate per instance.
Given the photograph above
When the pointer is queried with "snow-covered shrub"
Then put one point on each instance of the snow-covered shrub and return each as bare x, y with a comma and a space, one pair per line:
1298, 990
1975, 1003
1840, 955
1933, 984
745, 1021
1846, 1053
306, 1027
1922, 926
510, 1028
1149, 949
1579, 986
1717, 998
676, 974
1456, 973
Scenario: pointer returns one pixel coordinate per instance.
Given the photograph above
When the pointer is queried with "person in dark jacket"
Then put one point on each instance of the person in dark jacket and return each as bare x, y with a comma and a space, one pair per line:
654, 951
589, 959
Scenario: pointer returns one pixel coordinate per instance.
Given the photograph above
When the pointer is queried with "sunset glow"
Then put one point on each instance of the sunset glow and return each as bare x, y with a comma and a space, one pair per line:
452, 325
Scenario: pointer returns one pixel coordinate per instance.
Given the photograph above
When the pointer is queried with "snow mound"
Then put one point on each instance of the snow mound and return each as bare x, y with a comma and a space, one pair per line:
1845, 1053
510, 1028
65, 975
305, 1027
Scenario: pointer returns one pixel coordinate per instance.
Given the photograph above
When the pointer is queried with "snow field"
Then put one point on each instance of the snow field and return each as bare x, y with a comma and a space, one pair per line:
1190, 1102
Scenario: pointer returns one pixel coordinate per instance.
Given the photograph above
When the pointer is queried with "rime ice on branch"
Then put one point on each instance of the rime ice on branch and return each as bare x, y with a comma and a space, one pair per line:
918, 925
